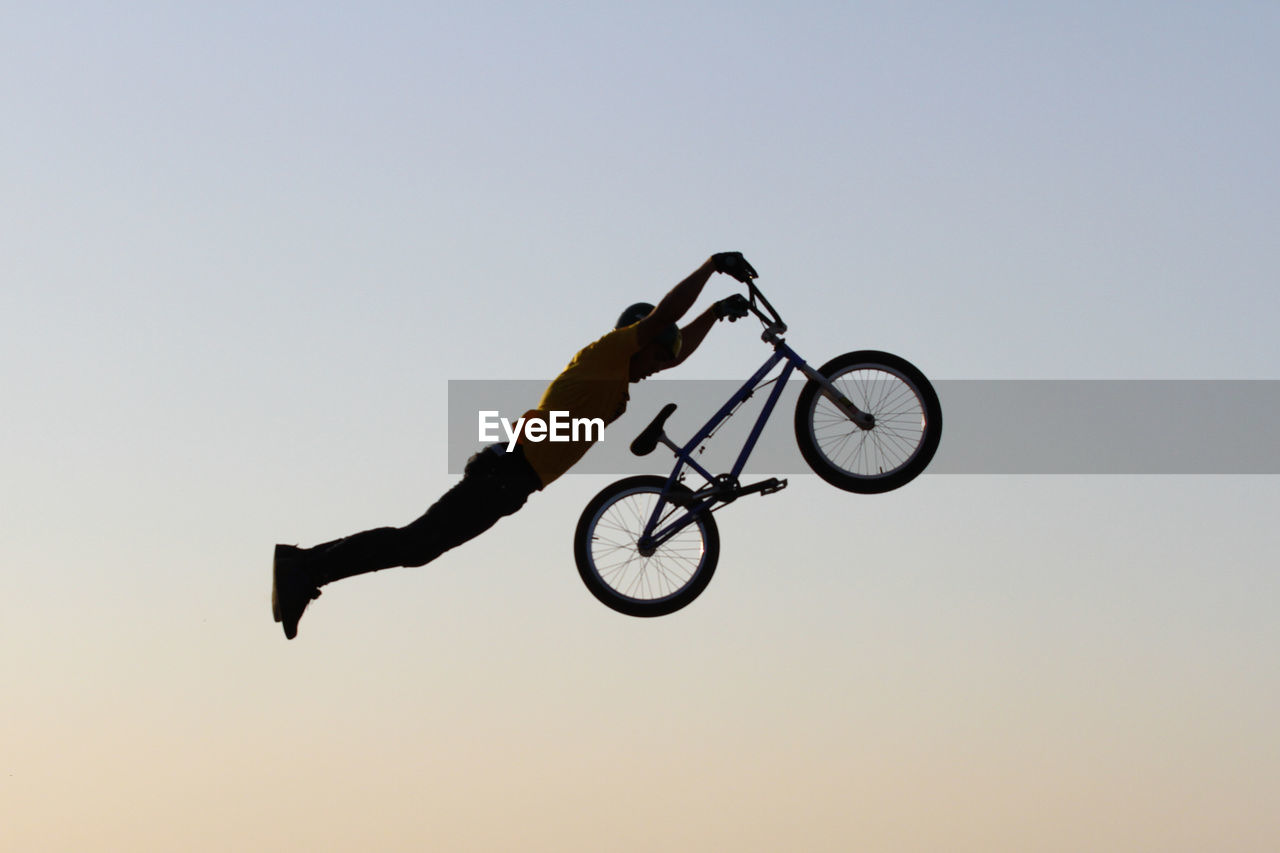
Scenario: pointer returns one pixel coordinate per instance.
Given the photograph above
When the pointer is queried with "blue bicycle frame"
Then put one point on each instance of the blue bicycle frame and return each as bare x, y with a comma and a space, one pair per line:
724, 488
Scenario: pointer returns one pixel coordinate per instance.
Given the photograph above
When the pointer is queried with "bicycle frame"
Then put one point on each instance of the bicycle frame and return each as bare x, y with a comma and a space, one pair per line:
684, 455
724, 488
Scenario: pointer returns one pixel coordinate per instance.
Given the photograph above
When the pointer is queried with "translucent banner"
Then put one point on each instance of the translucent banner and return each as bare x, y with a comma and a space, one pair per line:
989, 426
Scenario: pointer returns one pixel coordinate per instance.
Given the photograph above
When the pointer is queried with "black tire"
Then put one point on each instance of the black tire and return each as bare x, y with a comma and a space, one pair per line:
609, 561
902, 442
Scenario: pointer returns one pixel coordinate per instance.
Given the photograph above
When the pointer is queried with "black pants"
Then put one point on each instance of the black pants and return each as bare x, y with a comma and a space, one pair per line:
494, 483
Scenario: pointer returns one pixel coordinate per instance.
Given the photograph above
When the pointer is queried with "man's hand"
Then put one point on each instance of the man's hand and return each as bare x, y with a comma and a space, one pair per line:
733, 264
732, 307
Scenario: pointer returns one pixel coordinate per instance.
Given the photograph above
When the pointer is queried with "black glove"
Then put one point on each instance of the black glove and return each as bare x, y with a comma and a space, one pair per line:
731, 307
732, 263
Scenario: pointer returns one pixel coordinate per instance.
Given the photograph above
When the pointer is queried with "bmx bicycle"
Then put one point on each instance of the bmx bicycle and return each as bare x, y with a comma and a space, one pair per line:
866, 421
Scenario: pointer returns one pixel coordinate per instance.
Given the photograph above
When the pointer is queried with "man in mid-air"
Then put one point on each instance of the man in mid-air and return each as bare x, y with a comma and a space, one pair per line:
498, 481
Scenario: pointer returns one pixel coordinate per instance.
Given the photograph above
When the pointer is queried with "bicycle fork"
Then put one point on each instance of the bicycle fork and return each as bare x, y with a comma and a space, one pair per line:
863, 420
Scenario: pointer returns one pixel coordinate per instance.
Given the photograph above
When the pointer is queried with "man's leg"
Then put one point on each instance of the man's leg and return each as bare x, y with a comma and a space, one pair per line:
468, 509
494, 485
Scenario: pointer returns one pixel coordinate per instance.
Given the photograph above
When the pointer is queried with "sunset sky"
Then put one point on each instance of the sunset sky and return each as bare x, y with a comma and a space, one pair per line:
246, 246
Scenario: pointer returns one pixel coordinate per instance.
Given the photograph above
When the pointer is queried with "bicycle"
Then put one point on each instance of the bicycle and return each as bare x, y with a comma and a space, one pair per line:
648, 545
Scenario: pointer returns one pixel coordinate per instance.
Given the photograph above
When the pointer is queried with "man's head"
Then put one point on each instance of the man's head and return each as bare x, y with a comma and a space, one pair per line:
660, 353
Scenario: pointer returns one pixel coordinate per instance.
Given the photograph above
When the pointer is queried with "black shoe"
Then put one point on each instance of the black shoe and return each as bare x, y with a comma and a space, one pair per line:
291, 588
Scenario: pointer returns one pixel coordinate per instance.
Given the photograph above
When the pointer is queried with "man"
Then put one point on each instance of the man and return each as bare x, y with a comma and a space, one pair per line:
496, 482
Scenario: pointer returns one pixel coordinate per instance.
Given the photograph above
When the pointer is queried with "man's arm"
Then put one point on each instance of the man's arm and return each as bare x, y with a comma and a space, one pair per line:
675, 304
691, 335
680, 299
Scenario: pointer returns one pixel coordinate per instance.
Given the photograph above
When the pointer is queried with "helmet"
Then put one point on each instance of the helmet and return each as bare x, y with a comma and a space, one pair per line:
633, 314
668, 337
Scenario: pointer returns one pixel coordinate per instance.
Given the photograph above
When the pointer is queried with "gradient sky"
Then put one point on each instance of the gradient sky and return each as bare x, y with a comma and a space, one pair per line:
245, 247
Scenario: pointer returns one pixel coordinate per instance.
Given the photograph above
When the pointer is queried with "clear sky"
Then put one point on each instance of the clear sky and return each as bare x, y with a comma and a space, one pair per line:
244, 247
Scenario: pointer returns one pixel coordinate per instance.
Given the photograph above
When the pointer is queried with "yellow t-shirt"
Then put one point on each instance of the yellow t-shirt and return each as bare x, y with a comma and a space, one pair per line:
594, 385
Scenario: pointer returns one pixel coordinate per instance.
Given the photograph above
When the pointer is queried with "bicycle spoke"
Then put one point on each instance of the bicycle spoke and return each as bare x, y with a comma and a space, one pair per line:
899, 428
618, 562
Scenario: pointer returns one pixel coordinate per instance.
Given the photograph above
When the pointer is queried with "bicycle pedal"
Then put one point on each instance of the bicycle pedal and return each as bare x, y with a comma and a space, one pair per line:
772, 485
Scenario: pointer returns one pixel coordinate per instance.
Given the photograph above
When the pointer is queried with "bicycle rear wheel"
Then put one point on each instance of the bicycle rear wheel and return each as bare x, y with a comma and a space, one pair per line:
605, 547
902, 442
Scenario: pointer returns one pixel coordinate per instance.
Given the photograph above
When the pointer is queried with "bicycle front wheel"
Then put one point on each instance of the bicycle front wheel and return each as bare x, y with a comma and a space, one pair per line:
606, 548
907, 428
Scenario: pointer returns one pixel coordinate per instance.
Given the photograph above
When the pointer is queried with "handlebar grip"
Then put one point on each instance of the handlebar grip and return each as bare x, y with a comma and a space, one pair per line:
647, 440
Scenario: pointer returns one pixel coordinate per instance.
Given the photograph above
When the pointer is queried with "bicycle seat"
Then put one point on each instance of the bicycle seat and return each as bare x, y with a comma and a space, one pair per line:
646, 441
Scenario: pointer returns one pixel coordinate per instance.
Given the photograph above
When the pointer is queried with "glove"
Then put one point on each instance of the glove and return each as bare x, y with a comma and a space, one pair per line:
732, 263
732, 307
